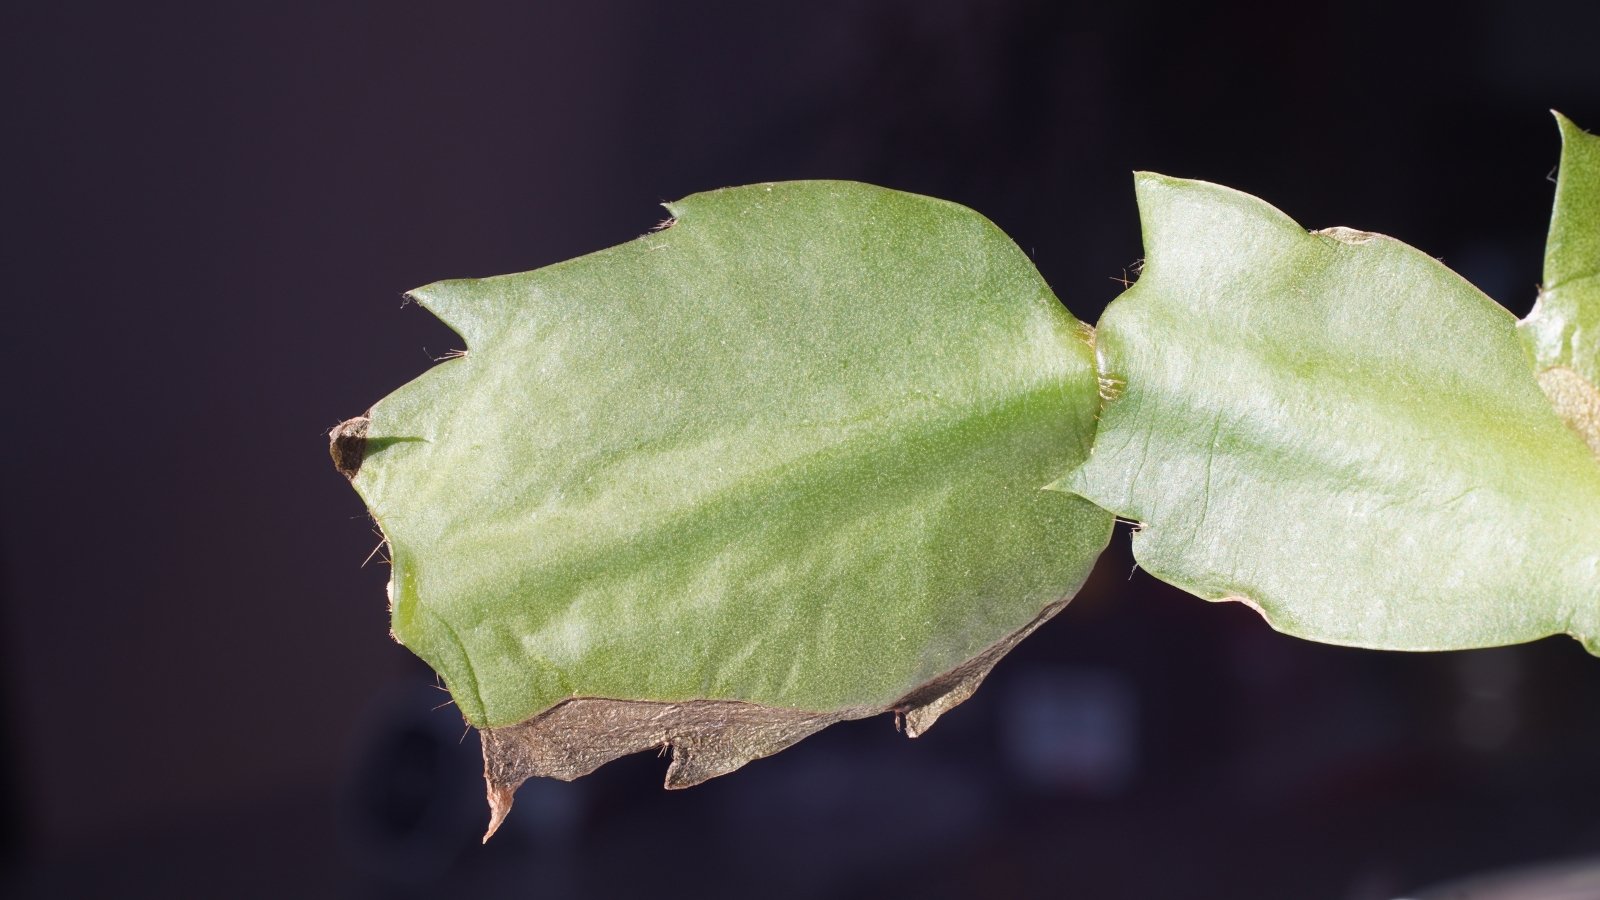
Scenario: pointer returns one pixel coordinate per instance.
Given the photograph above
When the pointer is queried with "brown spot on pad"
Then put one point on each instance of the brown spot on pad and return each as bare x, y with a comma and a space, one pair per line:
1576, 401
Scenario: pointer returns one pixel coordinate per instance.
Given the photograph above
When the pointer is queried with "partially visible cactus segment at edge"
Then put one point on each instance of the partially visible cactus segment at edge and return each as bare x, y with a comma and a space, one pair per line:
1564, 328
1340, 432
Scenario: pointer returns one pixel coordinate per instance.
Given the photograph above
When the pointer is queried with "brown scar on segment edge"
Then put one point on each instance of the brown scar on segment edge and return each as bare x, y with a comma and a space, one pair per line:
1244, 601
707, 737
347, 444
1348, 235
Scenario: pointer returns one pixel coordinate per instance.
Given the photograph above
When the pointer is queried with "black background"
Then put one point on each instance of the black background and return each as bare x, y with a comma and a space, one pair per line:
211, 212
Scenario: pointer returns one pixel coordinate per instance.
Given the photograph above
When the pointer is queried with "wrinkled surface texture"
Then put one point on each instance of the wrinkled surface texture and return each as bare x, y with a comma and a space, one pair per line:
788, 451
1336, 429
1564, 328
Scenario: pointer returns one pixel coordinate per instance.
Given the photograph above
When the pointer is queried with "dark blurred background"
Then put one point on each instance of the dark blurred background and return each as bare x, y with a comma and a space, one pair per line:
211, 211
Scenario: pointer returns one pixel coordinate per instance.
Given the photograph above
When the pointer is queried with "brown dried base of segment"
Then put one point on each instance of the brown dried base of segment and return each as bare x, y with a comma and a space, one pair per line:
707, 737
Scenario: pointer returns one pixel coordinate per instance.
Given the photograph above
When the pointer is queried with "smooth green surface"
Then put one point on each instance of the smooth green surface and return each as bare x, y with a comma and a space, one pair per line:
789, 451
1339, 430
1564, 328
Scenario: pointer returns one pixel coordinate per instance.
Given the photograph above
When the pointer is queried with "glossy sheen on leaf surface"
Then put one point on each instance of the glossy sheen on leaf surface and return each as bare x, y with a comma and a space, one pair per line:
1564, 328
789, 450
1338, 430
